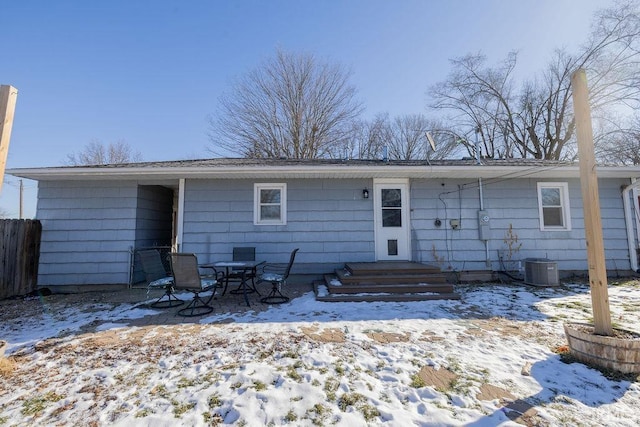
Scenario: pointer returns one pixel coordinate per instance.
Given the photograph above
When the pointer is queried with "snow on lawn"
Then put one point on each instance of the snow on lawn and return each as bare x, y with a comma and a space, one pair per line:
485, 360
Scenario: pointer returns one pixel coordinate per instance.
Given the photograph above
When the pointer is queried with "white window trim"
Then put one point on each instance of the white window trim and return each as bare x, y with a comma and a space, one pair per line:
256, 203
564, 201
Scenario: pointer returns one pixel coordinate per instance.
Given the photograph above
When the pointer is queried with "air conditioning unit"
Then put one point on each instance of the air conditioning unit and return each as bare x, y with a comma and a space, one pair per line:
541, 272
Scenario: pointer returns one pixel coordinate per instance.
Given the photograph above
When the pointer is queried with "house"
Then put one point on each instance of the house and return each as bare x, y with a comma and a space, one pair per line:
458, 214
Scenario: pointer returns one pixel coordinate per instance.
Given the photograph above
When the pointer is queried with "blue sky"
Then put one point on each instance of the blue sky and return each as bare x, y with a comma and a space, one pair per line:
150, 72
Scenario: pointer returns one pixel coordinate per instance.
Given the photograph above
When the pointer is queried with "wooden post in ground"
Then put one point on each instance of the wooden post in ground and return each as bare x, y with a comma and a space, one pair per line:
591, 206
8, 96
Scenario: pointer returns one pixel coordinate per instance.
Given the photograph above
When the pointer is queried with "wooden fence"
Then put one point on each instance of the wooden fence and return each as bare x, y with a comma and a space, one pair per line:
19, 253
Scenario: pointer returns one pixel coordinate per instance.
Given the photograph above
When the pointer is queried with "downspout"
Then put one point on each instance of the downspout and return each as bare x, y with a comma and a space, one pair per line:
628, 217
180, 220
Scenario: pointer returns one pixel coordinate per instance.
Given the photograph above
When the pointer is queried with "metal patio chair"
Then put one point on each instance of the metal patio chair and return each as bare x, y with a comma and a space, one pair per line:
186, 276
158, 278
277, 275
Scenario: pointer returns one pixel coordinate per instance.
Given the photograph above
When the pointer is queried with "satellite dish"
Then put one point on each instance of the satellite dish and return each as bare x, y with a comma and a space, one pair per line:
431, 141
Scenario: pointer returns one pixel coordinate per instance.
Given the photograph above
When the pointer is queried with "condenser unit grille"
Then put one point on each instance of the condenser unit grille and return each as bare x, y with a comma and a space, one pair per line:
540, 272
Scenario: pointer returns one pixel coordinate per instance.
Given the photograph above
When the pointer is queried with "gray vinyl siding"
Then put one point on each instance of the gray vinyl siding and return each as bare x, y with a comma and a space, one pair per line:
326, 218
510, 202
446, 200
88, 228
332, 224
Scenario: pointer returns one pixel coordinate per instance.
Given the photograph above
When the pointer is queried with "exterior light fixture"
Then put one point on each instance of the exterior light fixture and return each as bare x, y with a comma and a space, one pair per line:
365, 194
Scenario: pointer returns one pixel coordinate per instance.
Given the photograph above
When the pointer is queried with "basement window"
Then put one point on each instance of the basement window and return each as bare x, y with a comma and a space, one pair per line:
553, 206
270, 204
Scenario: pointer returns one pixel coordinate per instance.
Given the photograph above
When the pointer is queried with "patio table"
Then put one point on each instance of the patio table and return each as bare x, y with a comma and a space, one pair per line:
244, 267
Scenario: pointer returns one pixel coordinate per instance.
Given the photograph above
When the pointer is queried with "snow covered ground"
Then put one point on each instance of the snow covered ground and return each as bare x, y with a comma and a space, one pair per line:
488, 359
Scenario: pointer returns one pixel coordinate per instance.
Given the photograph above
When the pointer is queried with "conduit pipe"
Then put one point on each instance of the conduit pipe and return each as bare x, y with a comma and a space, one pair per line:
486, 242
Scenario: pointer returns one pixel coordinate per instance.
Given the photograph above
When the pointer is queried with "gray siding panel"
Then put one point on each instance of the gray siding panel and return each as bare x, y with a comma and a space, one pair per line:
510, 202
88, 228
332, 224
326, 219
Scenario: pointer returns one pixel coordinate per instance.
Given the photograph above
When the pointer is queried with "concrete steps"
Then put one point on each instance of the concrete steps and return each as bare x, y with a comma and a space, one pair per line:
385, 281
335, 284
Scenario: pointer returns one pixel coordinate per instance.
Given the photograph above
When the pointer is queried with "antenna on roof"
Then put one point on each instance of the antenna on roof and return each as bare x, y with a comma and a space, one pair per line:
432, 143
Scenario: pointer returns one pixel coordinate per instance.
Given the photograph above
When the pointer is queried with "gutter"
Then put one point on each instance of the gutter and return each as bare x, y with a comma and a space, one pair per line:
628, 216
310, 171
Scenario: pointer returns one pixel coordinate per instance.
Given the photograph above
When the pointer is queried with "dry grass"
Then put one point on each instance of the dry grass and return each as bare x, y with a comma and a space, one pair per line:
7, 366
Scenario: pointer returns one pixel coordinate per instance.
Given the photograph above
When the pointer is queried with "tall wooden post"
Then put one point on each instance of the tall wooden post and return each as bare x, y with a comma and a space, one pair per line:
8, 96
591, 205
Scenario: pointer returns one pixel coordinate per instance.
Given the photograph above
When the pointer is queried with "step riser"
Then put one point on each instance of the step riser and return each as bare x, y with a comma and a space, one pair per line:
393, 267
392, 279
386, 272
388, 289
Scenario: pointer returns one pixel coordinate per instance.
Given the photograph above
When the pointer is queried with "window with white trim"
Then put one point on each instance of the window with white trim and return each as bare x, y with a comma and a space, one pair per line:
553, 206
270, 204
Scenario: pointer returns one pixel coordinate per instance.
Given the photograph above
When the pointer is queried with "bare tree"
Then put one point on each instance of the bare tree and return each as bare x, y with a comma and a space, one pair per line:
621, 142
544, 125
403, 137
480, 98
97, 153
368, 137
408, 139
535, 118
448, 143
291, 106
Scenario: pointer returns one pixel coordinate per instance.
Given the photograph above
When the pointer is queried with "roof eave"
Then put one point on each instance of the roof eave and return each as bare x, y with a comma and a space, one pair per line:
306, 171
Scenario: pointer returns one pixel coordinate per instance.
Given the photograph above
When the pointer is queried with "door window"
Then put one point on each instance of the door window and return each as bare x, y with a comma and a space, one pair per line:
391, 207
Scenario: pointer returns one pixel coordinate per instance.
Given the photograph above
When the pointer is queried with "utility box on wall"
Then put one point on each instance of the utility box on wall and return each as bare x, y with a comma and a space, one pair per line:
541, 272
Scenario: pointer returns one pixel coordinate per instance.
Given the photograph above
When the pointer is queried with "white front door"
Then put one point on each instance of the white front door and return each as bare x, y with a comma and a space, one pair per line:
392, 228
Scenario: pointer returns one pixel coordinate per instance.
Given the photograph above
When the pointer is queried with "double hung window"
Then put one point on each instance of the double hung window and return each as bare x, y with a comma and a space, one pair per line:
553, 206
270, 204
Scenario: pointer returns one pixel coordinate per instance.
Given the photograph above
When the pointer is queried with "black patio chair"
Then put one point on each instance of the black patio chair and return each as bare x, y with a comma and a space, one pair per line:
186, 276
241, 254
158, 278
277, 275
